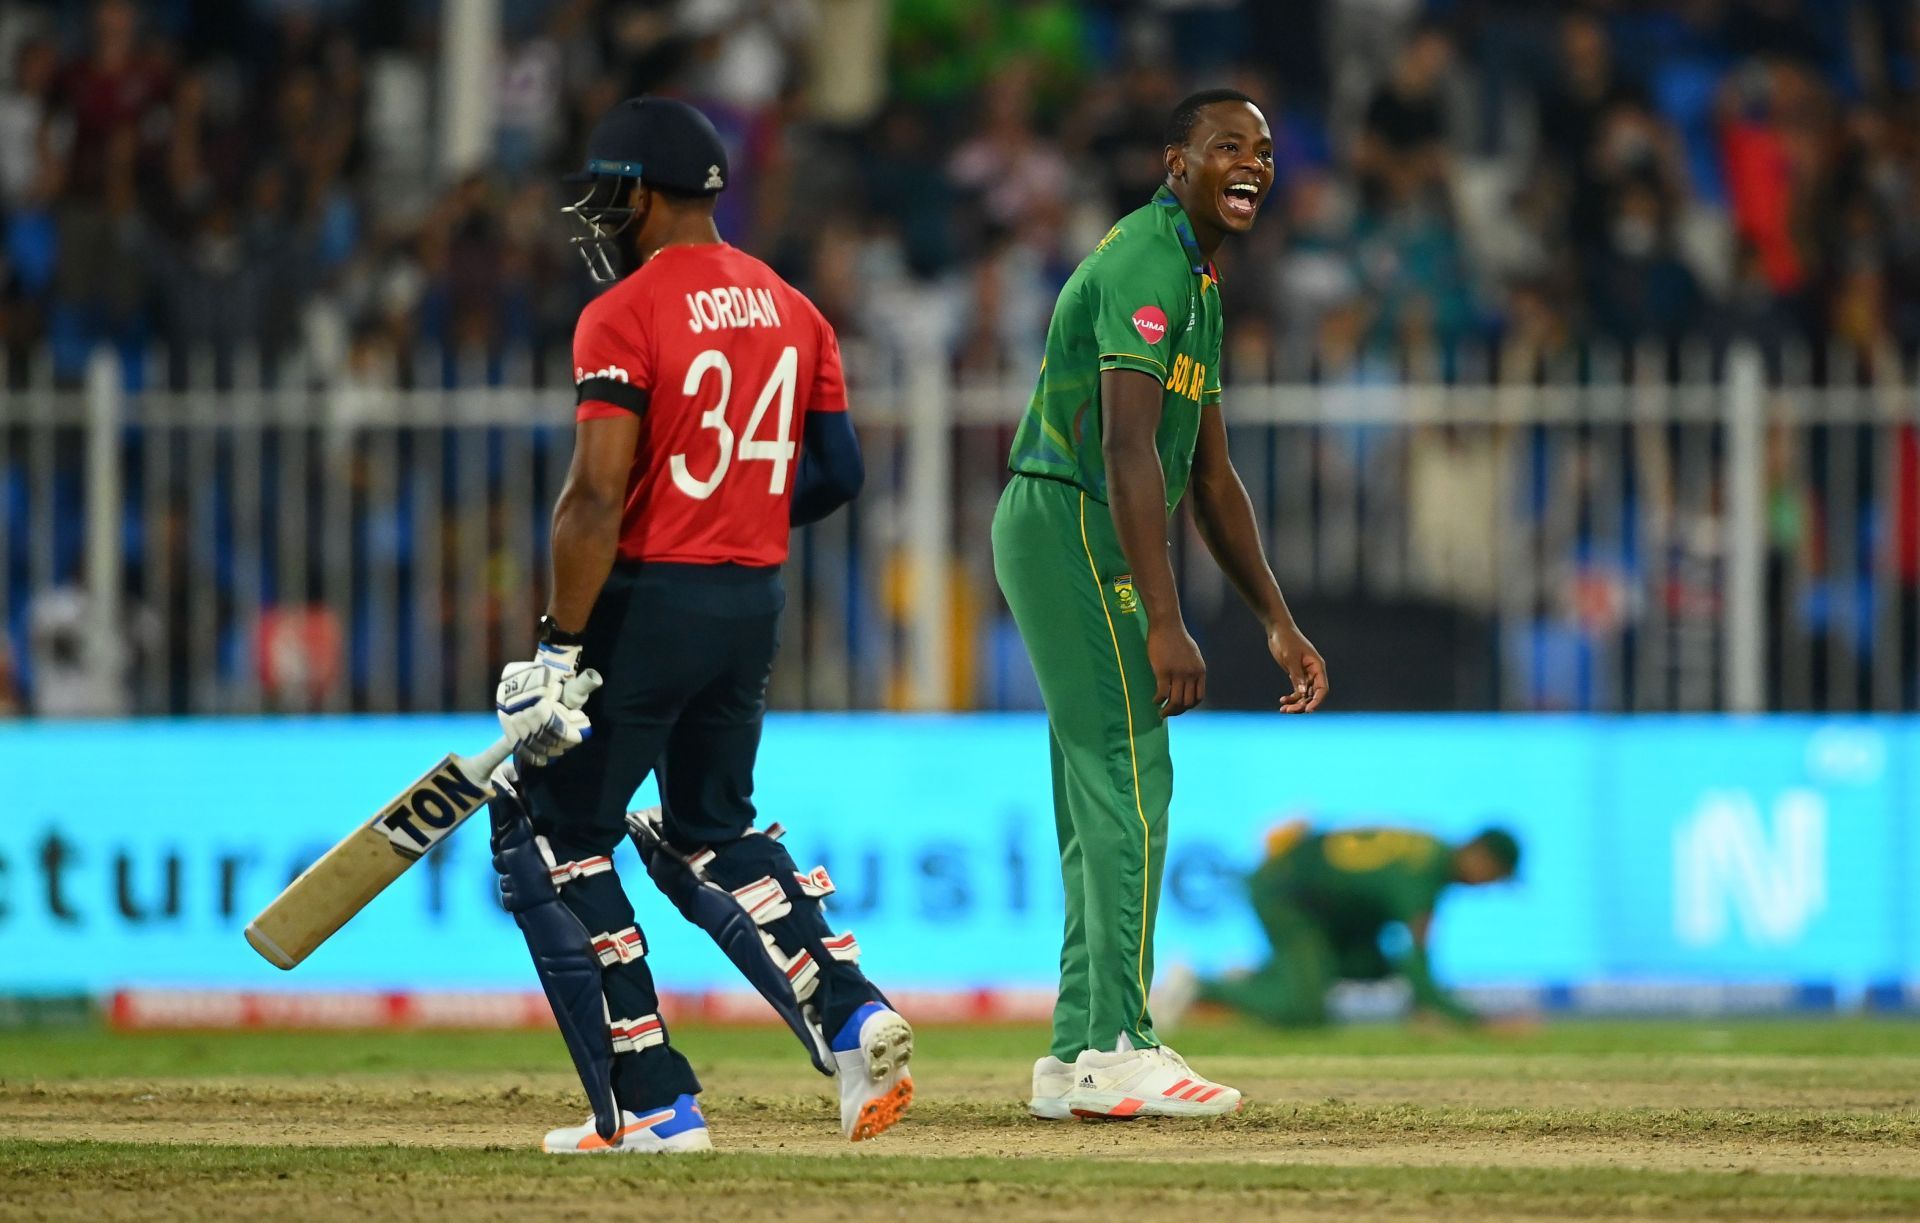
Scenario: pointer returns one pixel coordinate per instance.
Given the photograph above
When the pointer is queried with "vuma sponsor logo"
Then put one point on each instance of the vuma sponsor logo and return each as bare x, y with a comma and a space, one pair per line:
1151, 323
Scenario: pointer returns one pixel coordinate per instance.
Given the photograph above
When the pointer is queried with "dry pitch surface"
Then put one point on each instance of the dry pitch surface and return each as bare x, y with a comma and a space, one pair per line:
1728, 1121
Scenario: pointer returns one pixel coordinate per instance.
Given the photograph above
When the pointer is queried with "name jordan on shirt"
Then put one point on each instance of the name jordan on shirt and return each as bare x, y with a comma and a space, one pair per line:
721, 307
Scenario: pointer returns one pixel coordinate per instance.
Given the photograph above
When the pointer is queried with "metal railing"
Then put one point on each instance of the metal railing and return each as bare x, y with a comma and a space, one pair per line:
1716, 532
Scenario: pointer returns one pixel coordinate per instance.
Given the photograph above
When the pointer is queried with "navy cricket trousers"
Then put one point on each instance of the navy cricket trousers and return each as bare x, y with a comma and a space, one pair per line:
686, 651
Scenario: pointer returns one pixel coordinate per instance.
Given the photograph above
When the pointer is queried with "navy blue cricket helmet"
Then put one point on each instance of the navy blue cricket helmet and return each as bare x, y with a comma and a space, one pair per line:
662, 142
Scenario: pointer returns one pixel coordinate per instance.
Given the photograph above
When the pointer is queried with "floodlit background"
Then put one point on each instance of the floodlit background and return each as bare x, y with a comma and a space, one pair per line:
1570, 368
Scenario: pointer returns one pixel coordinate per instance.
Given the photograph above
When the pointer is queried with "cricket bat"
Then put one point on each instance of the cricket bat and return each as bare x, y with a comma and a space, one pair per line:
327, 894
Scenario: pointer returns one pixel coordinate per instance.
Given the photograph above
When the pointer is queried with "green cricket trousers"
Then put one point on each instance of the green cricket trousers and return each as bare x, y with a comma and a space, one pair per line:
1067, 582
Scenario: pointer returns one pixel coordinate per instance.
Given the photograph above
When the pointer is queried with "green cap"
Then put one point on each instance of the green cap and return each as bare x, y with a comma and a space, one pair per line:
1502, 845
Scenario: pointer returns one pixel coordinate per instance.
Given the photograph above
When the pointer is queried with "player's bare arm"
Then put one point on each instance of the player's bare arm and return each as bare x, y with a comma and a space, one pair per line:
1137, 498
586, 518
1420, 929
1224, 514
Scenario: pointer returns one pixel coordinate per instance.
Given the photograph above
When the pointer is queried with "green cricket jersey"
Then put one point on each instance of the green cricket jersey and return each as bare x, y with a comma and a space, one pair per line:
1364, 878
1146, 300
1357, 881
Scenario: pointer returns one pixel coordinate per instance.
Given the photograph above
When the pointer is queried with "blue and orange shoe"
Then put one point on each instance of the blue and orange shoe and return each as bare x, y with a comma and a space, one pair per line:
870, 1056
663, 1131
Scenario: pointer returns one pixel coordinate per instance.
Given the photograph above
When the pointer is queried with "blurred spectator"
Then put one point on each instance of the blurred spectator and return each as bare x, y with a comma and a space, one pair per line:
942, 50
30, 174
1410, 264
1573, 112
1126, 127
1317, 274
1016, 179
1638, 287
744, 48
233, 176
908, 191
113, 95
239, 175
529, 105
26, 153
1537, 332
1402, 153
1760, 176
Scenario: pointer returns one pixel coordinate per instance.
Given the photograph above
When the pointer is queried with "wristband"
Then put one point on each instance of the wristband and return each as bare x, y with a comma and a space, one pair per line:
553, 634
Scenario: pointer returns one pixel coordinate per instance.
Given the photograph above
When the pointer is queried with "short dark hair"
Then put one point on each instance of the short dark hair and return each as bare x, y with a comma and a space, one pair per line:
1499, 844
1185, 115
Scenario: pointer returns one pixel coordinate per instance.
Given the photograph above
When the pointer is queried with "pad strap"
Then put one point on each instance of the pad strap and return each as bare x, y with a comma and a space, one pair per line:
817, 885
843, 947
803, 972
619, 947
764, 900
633, 1035
564, 873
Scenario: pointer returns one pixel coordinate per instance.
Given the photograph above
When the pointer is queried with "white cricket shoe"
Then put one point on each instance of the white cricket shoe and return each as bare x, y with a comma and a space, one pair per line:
664, 1131
1052, 1080
1173, 996
1144, 1083
870, 1057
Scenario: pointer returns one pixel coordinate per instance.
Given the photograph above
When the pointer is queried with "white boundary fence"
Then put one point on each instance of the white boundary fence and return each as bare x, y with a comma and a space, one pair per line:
1720, 535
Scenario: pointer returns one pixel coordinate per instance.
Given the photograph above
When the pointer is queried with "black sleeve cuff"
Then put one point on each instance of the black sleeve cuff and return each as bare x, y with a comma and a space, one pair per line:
614, 391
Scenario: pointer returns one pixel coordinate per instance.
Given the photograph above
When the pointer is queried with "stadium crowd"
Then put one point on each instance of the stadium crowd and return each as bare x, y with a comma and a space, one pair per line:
264, 172
1528, 181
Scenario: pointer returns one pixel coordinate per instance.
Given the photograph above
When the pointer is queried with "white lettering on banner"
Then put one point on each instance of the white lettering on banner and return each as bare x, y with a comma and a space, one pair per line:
94, 896
1845, 755
1723, 859
727, 306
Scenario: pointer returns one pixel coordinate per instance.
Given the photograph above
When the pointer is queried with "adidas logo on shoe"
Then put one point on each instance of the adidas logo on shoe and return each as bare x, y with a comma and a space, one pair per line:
1146, 1083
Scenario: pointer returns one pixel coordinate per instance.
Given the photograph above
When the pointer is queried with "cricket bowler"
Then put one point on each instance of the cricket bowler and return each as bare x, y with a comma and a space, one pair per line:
1125, 419
711, 419
1324, 900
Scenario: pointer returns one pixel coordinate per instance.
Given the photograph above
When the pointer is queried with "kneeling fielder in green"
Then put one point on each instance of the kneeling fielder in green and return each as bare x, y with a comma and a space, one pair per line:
1325, 898
1127, 408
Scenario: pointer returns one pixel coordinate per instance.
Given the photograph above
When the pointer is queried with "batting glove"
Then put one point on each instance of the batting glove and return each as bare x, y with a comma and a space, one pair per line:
532, 705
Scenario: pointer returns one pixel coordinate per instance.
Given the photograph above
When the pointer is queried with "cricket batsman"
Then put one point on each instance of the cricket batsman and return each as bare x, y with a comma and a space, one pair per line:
1125, 419
1324, 898
711, 419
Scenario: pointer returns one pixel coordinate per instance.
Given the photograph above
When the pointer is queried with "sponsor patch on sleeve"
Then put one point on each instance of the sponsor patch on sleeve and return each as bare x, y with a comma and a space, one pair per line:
1151, 323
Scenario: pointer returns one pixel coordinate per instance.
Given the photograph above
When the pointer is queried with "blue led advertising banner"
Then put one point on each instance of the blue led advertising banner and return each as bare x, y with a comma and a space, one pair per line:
1657, 849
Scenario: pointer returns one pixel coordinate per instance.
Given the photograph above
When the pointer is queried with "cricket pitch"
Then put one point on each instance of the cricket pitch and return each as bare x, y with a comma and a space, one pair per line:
1797, 1120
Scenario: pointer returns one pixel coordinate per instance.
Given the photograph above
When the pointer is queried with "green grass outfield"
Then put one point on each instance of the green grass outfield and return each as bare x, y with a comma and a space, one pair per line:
1725, 1120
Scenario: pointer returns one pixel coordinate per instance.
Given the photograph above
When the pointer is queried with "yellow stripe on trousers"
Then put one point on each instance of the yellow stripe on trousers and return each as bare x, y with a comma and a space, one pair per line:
1146, 836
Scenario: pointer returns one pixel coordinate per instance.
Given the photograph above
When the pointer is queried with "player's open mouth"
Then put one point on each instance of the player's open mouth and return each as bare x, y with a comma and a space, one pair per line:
1241, 199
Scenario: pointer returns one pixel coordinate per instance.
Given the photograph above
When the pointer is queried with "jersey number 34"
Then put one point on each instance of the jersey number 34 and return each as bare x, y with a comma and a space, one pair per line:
779, 451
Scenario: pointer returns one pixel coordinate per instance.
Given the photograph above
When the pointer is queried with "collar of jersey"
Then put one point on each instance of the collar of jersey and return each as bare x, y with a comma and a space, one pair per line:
1183, 230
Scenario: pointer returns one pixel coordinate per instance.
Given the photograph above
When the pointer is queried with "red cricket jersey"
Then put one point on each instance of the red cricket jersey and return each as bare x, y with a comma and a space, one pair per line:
722, 360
